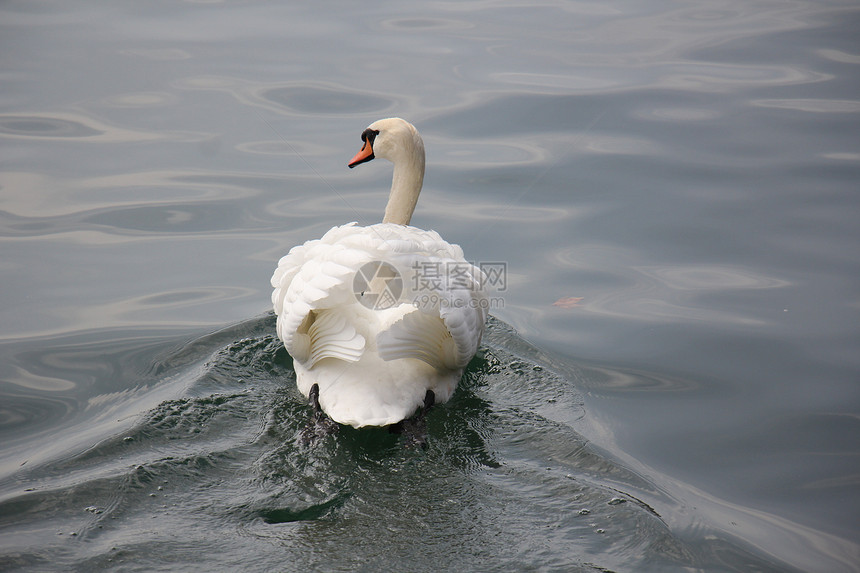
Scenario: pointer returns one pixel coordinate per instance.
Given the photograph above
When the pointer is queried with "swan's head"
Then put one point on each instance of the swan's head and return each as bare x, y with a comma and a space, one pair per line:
393, 139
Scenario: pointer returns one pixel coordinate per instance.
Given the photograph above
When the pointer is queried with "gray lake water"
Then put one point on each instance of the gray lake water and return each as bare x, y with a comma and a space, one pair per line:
672, 382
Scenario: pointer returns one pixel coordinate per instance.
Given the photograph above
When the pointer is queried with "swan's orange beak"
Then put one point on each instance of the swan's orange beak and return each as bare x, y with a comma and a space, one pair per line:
366, 154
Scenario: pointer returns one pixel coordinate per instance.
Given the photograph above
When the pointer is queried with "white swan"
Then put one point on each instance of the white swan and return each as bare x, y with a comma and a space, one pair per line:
384, 317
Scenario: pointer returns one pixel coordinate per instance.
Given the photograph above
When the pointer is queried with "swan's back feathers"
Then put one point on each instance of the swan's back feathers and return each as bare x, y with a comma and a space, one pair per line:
438, 321
435, 278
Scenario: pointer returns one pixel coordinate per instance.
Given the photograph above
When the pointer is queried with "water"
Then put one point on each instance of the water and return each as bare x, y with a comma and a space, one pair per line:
673, 188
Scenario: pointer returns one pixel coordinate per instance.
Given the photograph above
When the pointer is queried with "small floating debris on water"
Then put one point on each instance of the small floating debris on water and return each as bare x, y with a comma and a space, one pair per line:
568, 302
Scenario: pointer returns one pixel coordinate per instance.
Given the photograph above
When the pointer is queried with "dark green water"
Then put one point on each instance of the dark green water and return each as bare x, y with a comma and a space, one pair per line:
215, 475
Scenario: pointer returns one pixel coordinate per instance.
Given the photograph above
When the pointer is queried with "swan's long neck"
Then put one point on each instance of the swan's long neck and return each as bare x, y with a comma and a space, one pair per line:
406, 184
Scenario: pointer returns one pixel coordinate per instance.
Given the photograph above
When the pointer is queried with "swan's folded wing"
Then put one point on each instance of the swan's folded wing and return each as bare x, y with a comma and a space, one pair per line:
312, 278
421, 336
320, 250
330, 336
466, 324
445, 332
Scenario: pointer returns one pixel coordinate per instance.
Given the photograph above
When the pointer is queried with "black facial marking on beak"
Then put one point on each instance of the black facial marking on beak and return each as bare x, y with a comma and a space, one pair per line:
368, 136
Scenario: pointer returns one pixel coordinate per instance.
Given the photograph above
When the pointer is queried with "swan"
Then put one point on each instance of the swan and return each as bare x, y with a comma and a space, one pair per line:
380, 320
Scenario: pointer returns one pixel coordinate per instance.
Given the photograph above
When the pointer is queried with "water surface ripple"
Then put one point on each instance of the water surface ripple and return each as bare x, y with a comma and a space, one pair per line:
199, 454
